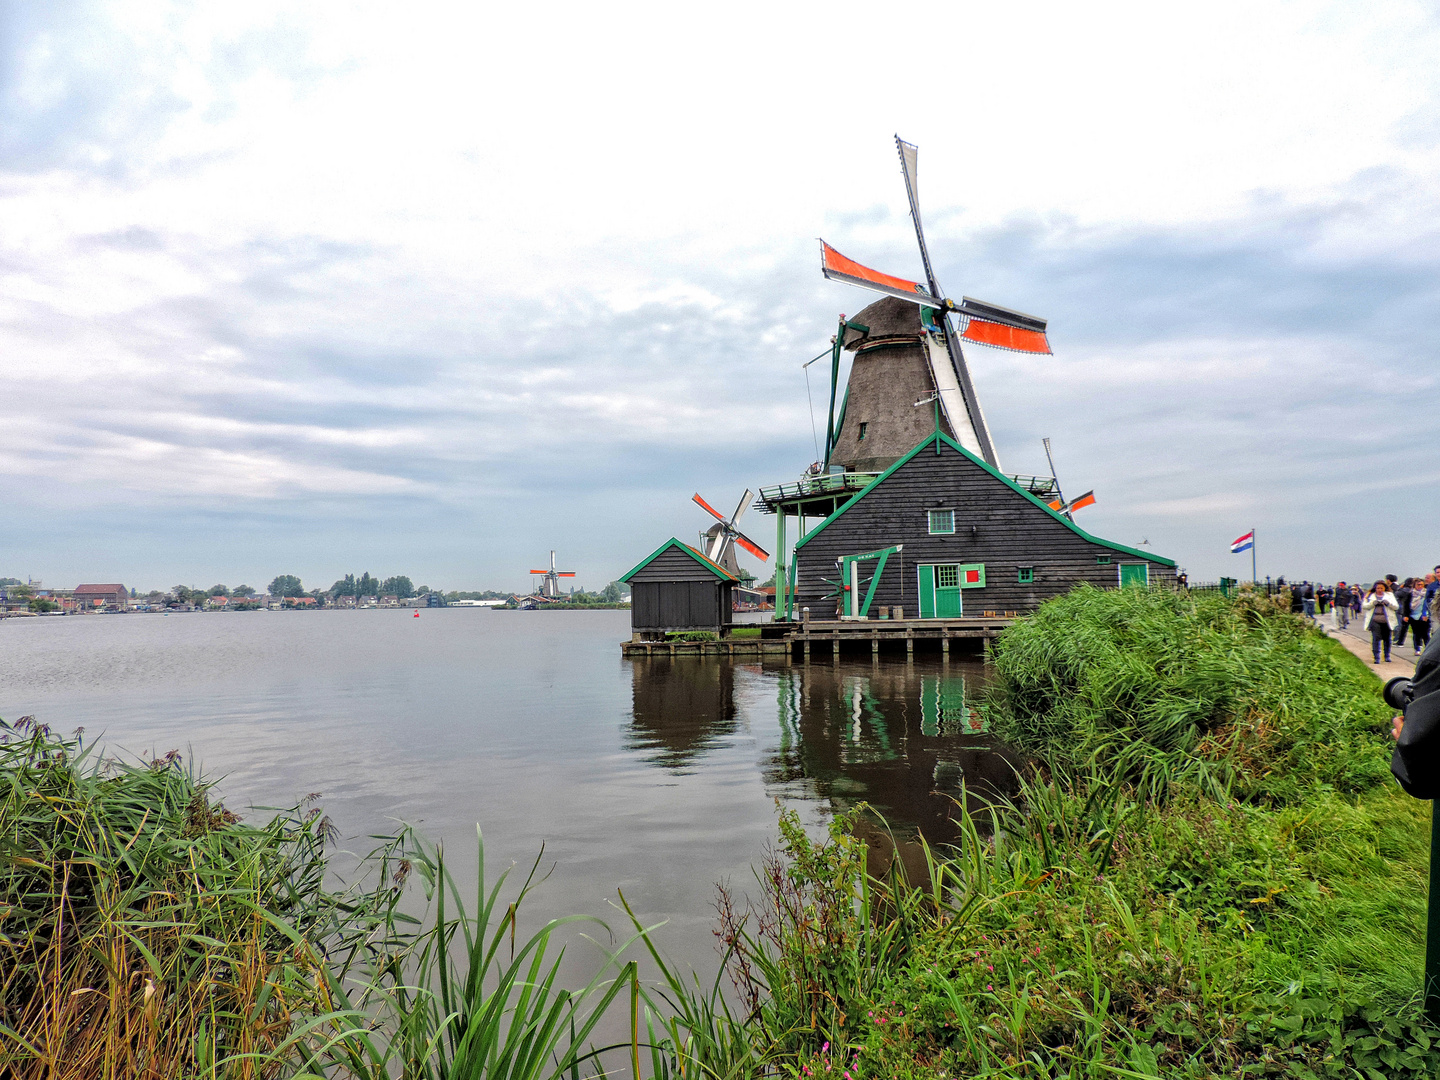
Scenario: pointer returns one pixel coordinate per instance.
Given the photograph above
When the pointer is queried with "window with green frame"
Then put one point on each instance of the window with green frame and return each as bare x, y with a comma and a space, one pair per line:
942, 521
1026, 575
1102, 560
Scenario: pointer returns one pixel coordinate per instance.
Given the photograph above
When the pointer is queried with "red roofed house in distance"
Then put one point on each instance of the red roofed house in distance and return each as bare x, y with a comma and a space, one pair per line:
102, 597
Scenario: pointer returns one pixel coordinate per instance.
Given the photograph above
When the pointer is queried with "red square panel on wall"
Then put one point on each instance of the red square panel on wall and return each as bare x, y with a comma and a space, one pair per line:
972, 577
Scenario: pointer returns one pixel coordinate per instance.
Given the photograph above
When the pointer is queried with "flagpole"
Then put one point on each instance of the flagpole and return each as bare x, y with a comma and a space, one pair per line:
1254, 575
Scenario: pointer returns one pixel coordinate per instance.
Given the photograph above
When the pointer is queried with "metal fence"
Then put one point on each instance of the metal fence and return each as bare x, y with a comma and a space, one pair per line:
1228, 586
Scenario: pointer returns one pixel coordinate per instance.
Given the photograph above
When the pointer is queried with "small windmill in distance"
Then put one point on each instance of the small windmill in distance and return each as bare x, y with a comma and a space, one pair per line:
718, 542
1059, 505
550, 586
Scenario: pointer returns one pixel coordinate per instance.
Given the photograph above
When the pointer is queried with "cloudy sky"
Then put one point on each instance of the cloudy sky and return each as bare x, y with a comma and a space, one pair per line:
435, 288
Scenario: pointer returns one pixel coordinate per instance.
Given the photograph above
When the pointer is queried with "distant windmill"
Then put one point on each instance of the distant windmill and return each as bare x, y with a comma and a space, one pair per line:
1059, 504
904, 351
550, 586
718, 542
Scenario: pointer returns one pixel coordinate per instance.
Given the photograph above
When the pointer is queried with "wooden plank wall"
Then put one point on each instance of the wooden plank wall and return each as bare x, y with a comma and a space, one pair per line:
994, 525
674, 592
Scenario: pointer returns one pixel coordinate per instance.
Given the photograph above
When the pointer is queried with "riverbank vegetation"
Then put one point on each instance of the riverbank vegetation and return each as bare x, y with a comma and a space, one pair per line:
1208, 874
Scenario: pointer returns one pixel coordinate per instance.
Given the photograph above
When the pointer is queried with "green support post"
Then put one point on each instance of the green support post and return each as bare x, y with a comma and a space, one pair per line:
780, 604
1432, 922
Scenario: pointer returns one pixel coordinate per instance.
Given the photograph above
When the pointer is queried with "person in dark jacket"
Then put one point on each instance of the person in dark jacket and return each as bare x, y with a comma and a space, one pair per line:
1402, 597
1342, 606
1416, 761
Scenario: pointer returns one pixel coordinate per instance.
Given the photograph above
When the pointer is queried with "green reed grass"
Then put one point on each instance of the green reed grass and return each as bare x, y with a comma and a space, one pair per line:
1208, 874
147, 932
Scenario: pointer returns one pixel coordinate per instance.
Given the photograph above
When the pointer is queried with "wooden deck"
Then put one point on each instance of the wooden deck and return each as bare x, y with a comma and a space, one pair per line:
833, 637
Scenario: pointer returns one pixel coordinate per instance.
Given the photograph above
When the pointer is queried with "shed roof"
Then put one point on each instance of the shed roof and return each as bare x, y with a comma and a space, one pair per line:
80, 590
998, 476
719, 571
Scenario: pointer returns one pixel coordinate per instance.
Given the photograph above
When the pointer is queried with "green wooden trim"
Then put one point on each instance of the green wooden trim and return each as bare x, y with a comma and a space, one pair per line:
942, 437
978, 566
925, 575
719, 571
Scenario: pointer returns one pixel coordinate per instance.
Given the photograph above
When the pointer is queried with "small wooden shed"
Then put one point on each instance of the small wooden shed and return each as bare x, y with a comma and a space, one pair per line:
677, 588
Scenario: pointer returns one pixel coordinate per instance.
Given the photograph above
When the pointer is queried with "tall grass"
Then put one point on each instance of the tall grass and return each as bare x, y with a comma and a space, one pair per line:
1208, 874
145, 931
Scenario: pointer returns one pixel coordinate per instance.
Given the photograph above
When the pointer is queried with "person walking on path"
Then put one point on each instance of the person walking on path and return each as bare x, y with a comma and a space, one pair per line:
1402, 597
1381, 610
1342, 606
1307, 599
1357, 594
1422, 611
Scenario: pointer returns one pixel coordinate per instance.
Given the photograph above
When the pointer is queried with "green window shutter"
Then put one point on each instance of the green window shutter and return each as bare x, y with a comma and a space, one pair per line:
1134, 574
1102, 560
927, 592
972, 575
942, 522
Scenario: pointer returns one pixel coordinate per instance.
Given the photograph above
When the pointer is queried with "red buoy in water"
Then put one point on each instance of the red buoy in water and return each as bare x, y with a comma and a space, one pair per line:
417, 614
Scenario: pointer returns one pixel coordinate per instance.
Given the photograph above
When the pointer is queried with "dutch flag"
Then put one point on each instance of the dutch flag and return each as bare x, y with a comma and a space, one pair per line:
1244, 543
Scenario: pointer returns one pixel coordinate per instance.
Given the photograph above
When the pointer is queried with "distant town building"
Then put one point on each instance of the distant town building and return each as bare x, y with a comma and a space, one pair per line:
102, 597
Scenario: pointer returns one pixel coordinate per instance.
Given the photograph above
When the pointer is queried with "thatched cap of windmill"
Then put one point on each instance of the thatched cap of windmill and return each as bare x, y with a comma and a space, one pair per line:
892, 370
887, 320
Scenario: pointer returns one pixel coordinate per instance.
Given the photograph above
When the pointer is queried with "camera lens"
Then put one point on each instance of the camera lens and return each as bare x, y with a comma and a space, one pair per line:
1398, 693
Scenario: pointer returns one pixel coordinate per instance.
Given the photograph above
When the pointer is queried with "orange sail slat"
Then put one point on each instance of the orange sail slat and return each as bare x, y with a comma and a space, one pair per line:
1000, 336
838, 268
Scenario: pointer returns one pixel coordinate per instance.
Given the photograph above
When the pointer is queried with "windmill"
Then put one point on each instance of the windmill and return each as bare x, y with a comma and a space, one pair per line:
913, 351
1059, 503
718, 542
550, 585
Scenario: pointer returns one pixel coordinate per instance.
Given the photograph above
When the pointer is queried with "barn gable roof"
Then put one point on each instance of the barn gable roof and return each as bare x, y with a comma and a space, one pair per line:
930, 441
715, 568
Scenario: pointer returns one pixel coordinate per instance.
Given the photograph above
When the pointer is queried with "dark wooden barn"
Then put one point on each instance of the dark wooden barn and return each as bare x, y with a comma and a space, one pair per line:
972, 543
677, 588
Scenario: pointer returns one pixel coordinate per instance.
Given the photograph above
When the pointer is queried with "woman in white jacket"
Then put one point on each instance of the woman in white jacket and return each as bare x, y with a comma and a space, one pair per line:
1382, 614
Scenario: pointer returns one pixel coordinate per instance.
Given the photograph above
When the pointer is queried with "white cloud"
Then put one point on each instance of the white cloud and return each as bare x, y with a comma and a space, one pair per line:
455, 251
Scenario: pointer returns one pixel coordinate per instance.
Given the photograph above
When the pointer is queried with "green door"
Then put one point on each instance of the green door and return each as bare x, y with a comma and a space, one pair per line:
927, 591
1137, 574
947, 591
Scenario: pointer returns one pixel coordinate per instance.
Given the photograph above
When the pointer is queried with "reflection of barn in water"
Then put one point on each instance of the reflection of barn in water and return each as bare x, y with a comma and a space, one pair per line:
682, 708
907, 741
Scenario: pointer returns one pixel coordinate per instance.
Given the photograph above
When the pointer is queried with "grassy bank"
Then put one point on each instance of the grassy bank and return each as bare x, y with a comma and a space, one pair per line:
147, 932
1208, 874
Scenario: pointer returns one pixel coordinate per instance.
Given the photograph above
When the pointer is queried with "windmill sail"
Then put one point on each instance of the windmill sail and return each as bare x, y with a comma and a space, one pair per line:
979, 322
837, 267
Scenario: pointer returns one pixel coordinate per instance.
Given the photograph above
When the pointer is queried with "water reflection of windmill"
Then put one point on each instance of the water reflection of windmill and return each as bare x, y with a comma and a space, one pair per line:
550, 585
720, 539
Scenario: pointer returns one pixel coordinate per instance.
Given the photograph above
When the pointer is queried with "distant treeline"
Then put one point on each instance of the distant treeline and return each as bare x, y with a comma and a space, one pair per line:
290, 585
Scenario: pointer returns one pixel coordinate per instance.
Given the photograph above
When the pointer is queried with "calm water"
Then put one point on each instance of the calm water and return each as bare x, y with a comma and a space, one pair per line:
656, 777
